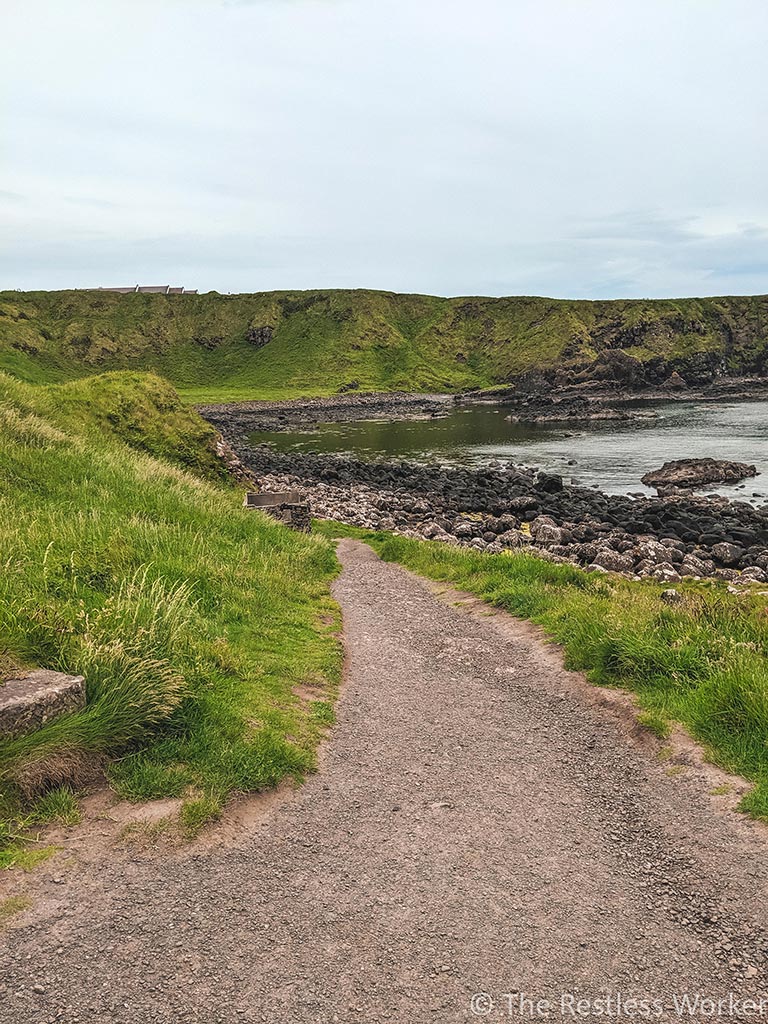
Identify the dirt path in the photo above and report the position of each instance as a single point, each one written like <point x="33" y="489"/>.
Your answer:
<point x="478" y="826"/>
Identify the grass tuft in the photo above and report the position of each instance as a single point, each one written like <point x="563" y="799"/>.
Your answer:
<point x="196" y="813"/>
<point x="11" y="906"/>
<point x="656" y="723"/>
<point x="57" y="805"/>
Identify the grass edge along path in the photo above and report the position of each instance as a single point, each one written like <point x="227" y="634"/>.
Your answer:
<point x="702" y="662"/>
<point x="194" y="621"/>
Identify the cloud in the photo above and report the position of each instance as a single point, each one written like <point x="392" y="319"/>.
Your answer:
<point x="555" y="149"/>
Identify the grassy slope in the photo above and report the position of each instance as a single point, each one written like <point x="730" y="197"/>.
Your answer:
<point x="382" y="340"/>
<point x="141" y="409"/>
<point x="703" y="662"/>
<point x="191" y="618"/>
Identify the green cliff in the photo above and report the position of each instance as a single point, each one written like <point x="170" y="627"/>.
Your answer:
<point x="292" y="343"/>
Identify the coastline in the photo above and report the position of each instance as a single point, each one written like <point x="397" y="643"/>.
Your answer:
<point x="528" y="401"/>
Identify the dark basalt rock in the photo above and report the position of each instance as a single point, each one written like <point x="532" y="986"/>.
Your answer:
<point x="510" y="506"/>
<point x="541" y="409"/>
<point x="209" y="342"/>
<point x="550" y="483"/>
<point x="691" y="473"/>
<point x="259" y="336"/>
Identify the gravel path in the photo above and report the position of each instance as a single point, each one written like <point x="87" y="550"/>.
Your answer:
<point x="478" y="826"/>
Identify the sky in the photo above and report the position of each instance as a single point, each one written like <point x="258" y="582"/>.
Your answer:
<point x="571" y="148"/>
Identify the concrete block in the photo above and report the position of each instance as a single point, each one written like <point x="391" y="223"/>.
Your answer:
<point x="37" y="697"/>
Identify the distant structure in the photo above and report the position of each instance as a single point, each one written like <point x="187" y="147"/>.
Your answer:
<point x="151" y="289"/>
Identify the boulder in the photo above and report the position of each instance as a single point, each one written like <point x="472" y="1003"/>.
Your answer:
<point x="675" y="381"/>
<point x="691" y="473"/>
<point x="550" y="483"/>
<point x="545" y="531"/>
<point x="753" y="574"/>
<point x="727" y="554"/>
<point x="666" y="572"/>
<point x="607" y="558"/>
<point x="511" y="539"/>
<point x="693" y="566"/>
<point x="549" y="536"/>
<point x="463" y="530"/>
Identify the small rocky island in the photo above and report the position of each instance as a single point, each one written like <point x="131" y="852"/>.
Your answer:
<point x="539" y="411"/>
<point x="689" y="474"/>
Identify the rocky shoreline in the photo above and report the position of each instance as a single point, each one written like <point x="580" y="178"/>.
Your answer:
<point x="242" y="418"/>
<point x="547" y="398"/>
<point x="534" y="399"/>
<point x="502" y="507"/>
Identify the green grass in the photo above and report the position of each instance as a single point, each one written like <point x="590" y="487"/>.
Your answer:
<point x="197" y="813"/>
<point x="10" y="907"/>
<point x="140" y="409"/>
<point x="384" y="341"/>
<point x="20" y="825"/>
<point x="656" y="722"/>
<point x="703" y="662"/>
<point x="56" y="806"/>
<point x="191" y="618"/>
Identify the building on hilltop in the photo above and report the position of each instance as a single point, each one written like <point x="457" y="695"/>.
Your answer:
<point x="151" y="289"/>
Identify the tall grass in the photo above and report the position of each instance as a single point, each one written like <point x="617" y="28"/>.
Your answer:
<point x="190" y="618"/>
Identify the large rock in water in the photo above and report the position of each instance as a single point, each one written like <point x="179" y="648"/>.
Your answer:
<point x="690" y="473"/>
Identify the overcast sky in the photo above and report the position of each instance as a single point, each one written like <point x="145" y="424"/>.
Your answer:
<point x="586" y="148"/>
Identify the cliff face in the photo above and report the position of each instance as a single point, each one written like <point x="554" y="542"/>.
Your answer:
<point x="319" y="342"/>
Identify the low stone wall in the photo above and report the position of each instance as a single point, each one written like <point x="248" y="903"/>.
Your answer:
<point x="286" y="507"/>
<point x="35" y="698"/>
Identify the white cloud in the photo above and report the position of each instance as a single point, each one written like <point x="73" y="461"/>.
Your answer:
<point x="554" y="147"/>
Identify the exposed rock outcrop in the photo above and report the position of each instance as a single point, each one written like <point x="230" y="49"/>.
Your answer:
<point x="259" y="336"/>
<point x="691" y="473"/>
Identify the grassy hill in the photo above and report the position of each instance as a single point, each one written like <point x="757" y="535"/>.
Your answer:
<point x="192" y="619"/>
<point x="217" y="347"/>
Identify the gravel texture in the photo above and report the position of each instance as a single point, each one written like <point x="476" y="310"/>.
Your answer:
<point x="478" y="825"/>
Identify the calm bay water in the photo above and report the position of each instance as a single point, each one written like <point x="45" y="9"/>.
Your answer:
<point x="612" y="456"/>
